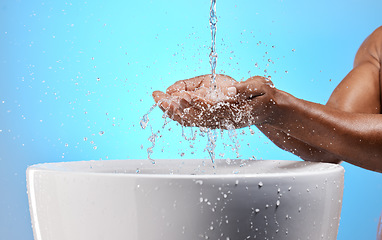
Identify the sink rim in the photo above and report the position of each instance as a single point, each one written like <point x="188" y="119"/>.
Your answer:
<point x="91" y="168"/>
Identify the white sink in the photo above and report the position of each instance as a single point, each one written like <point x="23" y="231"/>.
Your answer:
<point x="185" y="199"/>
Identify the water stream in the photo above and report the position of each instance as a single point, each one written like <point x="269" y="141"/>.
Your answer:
<point x="211" y="134"/>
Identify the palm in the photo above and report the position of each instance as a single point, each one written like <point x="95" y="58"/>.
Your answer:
<point x="192" y="102"/>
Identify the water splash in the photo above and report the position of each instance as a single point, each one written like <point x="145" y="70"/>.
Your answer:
<point x="213" y="54"/>
<point x="212" y="137"/>
<point x="152" y="139"/>
<point x="145" y="119"/>
<point x="215" y="94"/>
<point x="232" y="134"/>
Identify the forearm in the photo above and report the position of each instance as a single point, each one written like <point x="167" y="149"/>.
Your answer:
<point x="297" y="147"/>
<point x="355" y="138"/>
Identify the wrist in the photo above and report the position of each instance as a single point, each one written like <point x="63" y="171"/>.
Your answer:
<point x="281" y="105"/>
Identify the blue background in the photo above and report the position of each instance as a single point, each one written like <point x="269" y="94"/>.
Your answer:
<point x="72" y="70"/>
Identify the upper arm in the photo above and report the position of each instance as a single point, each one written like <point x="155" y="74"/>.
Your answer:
<point x="360" y="90"/>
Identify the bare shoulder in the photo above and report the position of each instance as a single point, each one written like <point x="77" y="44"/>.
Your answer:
<point x="371" y="49"/>
<point x="360" y="91"/>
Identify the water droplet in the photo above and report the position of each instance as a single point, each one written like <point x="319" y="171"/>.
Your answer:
<point x="101" y="133"/>
<point x="200" y="182"/>
<point x="261" y="184"/>
<point x="278" y="203"/>
<point x="144" y="121"/>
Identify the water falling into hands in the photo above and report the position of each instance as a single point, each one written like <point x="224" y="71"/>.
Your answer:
<point x="236" y="104"/>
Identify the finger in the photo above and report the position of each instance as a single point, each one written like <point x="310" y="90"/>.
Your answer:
<point x="200" y="102"/>
<point x="176" y="87"/>
<point x="185" y="100"/>
<point x="250" y="88"/>
<point x="224" y="79"/>
<point x="158" y="95"/>
<point x="193" y="99"/>
<point x="230" y="92"/>
<point x="186" y="85"/>
<point x="182" y="95"/>
<point x="166" y="102"/>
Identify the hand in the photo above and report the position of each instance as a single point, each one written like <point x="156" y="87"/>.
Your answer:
<point x="233" y="105"/>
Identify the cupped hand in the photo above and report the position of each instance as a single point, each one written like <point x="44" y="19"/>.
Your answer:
<point x="234" y="104"/>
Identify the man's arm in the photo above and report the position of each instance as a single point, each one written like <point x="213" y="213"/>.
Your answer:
<point x="348" y="128"/>
<point x="358" y="92"/>
<point x="352" y="137"/>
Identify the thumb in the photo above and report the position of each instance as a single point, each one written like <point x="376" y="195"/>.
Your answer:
<point x="252" y="87"/>
<point x="247" y="89"/>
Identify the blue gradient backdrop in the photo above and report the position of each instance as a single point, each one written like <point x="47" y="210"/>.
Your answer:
<point x="70" y="70"/>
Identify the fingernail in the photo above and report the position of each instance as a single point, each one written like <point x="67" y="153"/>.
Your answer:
<point x="231" y="91"/>
<point x="187" y="98"/>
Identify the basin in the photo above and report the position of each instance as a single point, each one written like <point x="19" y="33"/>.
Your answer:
<point x="185" y="199"/>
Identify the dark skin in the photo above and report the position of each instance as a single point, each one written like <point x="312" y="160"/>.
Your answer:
<point x="348" y="128"/>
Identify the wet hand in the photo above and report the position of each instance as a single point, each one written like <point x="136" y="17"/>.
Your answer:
<point x="233" y="105"/>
